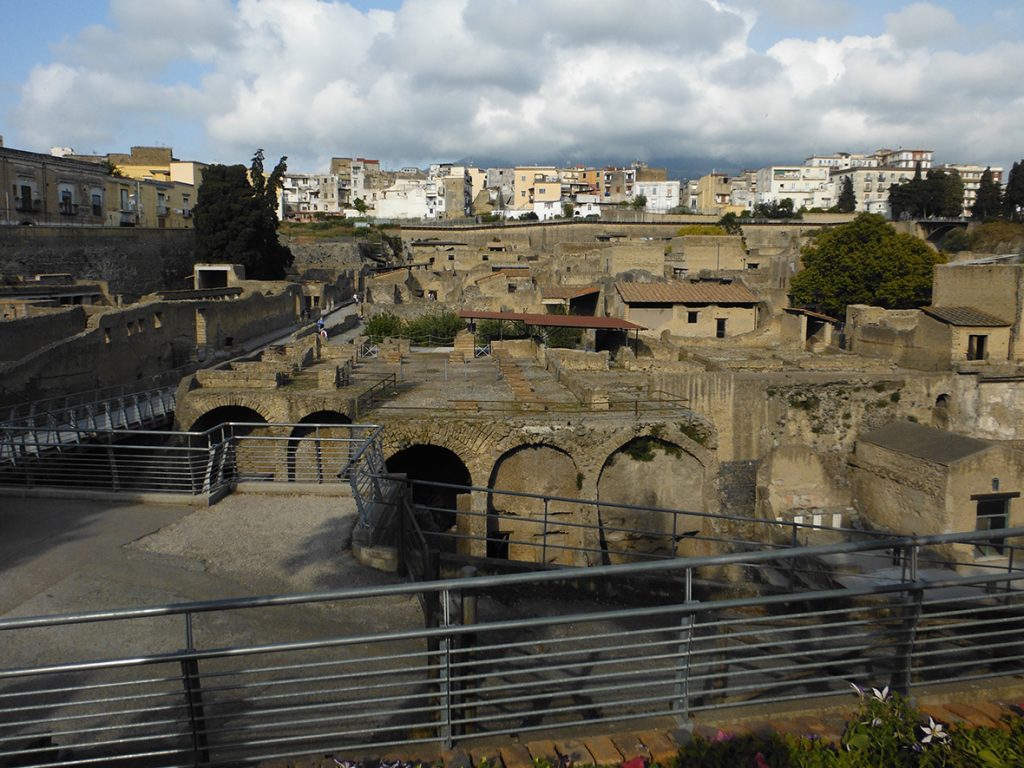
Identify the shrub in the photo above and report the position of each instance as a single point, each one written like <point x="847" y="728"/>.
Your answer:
<point x="384" y="325"/>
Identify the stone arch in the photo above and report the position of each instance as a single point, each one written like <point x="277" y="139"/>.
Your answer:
<point x="322" y="457"/>
<point x="474" y="442"/>
<point x="940" y="412"/>
<point x="650" y="470"/>
<point x="425" y="461"/>
<point x="524" y="528"/>
<point x="228" y="412"/>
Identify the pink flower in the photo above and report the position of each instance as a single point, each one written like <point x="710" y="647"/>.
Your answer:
<point x="636" y="762"/>
<point x="760" y="762"/>
<point x="722" y="736"/>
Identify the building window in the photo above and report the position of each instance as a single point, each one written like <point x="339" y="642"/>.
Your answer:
<point x="691" y="317"/>
<point x="97" y="204"/>
<point x="993" y="514"/>
<point x="753" y="265"/>
<point x="158" y="319"/>
<point x="720" y="328"/>
<point x="976" y="344"/>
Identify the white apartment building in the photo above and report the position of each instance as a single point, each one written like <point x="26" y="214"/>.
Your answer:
<point x="662" y="196"/>
<point x="971" y="177"/>
<point x="807" y="186"/>
<point x="871" y="186"/>
<point x="840" y="161"/>
<point x="304" y="194"/>
<point x="411" y="199"/>
<point x="905" y="158"/>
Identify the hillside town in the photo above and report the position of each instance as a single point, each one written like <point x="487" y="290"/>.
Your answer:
<point x="150" y="187"/>
<point x="513" y="370"/>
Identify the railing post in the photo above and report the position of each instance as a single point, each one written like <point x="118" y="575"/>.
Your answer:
<point x="115" y="482"/>
<point x="194" y="700"/>
<point x="445" y="673"/>
<point x="468" y="601"/>
<point x="903" y="672"/>
<point x="319" y="458"/>
<point x="544" y="541"/>
<point x="681" y="704"/>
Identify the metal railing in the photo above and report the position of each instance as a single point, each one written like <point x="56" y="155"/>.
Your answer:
<point x="193" y="463"/>
<point x="373" y="394"/>
<point x="498" y="655"/>
<point x="26" y="413"/>
<point x="550" y="530"/>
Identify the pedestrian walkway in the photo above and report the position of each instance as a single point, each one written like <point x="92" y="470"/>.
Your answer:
<point x="643" y="746"/>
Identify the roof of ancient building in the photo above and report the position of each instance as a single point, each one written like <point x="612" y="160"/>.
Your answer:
<point x="569" y="291"/>
<point x="935" y="445"/>
<point x="968" y="316"/>
<point x="678" y="292"/>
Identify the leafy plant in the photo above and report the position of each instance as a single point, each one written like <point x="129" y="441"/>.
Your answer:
<point x="384" y="325"/>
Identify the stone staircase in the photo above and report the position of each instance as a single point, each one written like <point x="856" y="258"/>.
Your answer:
<point x="522" y="391"/>
<point x="464" y="348"/>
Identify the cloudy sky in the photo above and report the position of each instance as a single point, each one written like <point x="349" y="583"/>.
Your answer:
<point x="690" y="84"/>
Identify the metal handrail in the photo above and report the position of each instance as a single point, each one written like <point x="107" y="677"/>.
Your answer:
<point x="482" y="674"/>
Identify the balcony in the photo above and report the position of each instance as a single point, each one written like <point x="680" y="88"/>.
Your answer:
<point x="28" y="206"/>
<point x="162" y="210"/>
<point x="68" y="209"/>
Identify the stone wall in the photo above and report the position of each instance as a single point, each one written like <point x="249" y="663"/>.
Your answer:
<point x="133" y="261"/>
<point x="120" y="346"/>
<point x="25" y="335"/>
<point x="907" y="337"/>
<point x="994" y="288"/>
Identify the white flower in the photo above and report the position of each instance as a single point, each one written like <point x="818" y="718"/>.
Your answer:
<point x="881" y="695"/>
<point x="933" y="731"/>
<point x="857" y="689"/>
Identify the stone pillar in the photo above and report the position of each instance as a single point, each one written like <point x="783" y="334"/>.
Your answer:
<point x="471" y="523"/>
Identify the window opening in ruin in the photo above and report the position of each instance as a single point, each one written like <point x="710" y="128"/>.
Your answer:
<point x="691" y="317"/>
<point x="158" y="319"/>
<point x="106" y="335"/>
<point x="976" y="347"/>
<point x="993" y="514"/>
<point x="720" y="328"/>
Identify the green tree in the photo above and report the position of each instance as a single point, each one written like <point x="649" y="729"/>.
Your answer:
<point x="864" y="262"/>
<point x="640" y="202"/>
<point x="776" y="209"/>
<point x="236" y="219"/>
<point x="989" y="201"/>
<point x="568" y="210"/>
<point x="730" y="223"/>
<point x="937" y="194"/>
<point x="1013" y="196"/>
<point x="847" y="201"/>
<point x="945" y="194"/>
<point x="360" y="205"/>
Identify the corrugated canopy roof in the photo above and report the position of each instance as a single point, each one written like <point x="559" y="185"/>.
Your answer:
<point x="935" y="445"/>
<point x="555" y="321"/>
<point x="968" y="316"/>
<point x="677" y="292"/>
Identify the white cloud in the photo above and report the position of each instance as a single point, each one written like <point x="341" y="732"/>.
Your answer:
<point x="921" y="24"/>
<point x="526" y="80"/>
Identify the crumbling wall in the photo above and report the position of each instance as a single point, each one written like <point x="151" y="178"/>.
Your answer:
<point x="25" y="335"/>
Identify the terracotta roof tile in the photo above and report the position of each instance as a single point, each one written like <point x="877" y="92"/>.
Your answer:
<point x="678" y="292"/>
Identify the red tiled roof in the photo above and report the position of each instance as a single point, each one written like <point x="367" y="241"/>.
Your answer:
<point x="559" y="321"/>
<point x="677" y="292"/>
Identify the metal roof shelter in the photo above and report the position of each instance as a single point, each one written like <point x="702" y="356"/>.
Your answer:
<point x="559" y="321"/>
